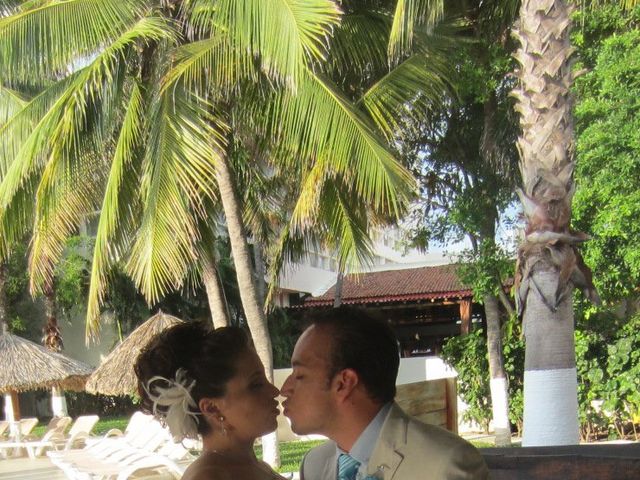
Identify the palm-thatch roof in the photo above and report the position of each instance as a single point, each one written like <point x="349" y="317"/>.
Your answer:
<point x="115" y="375"/>
<point x="29" y="366"/>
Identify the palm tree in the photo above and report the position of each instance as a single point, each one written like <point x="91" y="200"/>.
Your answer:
<point x="549" y="263"/>
<point x="401" y="79"/>
<point x="134" y="109"/>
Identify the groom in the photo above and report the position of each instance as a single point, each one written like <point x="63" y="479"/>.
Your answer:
<point x="342" y="386"/>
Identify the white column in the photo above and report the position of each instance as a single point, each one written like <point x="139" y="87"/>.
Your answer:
<point x="58" y="403"/>
<point x="8" y="415"/>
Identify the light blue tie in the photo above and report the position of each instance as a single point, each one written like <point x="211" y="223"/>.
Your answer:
<point x="347" y="467"/>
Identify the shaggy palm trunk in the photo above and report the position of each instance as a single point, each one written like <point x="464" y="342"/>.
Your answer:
<point x="548" y="266"/>
<point x="11" y="405"/>
<point x="498" y="384"/>
<point x="52" y="340"/>
<point x="261" y="271"/>
<point x="253" y="310"/>
<point x="4" y="322"/>
<point x="215" y="294"/>
<point x="337" y="298"/>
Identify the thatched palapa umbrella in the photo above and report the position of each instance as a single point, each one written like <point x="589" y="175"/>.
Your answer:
<point x="115" y="375"/>
<point x="29" y="366"/>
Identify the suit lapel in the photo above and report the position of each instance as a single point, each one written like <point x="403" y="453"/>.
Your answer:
<point x="388" y="452"/>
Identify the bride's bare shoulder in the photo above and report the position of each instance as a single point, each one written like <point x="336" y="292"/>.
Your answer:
<point x="206" y="468"/>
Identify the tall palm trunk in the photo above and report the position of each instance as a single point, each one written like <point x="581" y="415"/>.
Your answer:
<point x="52" y="337"/>
<point x="52" y="340"/>
<point x="251" y="305"/>
<point x="215" y="294"/>
<point x="4" y="323"/>
<point x="498" y="383"/>
<point x="337" y="298"/>
<point x="261" y="271"/>
<point x="549" y="265"/>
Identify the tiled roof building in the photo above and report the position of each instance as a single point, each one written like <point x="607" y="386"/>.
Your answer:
<point x="425" y="305"/>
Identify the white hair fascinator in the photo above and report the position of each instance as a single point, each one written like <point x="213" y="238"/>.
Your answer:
<point x="176" y="398"/>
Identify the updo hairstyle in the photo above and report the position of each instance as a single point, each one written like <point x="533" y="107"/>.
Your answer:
<point x="208" y="356"/>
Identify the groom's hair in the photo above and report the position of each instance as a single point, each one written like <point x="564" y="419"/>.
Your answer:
<point x="362" y="343"/>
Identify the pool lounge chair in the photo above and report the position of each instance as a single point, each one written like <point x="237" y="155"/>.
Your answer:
<point x="57" y="440"/>
<point x="55" y="428"/>
<point x="148" y="449"/>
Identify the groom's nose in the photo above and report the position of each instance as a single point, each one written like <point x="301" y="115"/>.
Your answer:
<point x="286" y="387"/>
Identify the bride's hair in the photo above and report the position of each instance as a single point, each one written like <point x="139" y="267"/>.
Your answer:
<point x="184" y="364"/>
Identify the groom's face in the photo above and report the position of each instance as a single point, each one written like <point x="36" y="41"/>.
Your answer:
<point x="309" y="402"/>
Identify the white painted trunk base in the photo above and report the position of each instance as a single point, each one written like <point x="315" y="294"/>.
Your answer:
<point x="270" y="452"/>
<point x="58" y="403"/>
<point x="500" y="410"/>
<point x="550" y="408"/>
<point x="8" y="415"/>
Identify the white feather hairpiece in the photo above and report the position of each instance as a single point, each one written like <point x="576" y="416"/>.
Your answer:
<point x="176" y="397"/>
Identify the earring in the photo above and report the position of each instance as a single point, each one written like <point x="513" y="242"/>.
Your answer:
<point x="222" y="428"/>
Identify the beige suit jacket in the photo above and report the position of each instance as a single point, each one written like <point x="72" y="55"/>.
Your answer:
<point x="407" y="449"/>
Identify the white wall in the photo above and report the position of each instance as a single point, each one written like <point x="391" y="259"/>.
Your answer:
<point x="417" y="369"/>
<point x="73" y="336"/>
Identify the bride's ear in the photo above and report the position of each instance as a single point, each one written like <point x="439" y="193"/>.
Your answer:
<point x="209" y="407"/>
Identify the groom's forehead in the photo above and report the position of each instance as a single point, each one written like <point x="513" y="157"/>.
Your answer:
<point x="313" y="347"/>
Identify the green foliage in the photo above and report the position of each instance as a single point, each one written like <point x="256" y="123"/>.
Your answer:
<point x="284" y="332"/>
<point x="72" y="276"/>
<point x="607" y="201"/>
<point x="485" y="269"/>
<point x="291" y="453"/>
<point x="608" y="363"/>
<point x="468" y="355"/>
<point x="607" y="206"/>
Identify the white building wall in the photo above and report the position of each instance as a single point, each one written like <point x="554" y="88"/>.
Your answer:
<point x="415" y="369"/>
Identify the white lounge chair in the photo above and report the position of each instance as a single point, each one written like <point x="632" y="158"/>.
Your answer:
<point x="4" y="429"/>
<point x="57" y="440"/>
<point x="55" y="428"/>
<point x="147" y="449"/>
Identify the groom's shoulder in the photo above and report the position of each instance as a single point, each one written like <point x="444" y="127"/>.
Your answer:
<point x="314" y="463"/>
<point x="321" y="452"/>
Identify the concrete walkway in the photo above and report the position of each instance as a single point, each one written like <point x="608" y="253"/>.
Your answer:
<point x="41" y="468"/>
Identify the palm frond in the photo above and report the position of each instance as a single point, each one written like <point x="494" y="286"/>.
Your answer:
<point x="11" y="102"/>
<point x="210" y="66"/>
<point x="408" y="15"/>
<point x="45" y="40"/>
<point x="407" y="91"/>
<point x="359" y="44"/>
<point x="321" y="123"/>
<point x="178" y="170"/>
<point x="119" y="206"/>
<point x="65" y="197"/>
<point x="283" y="34"/>
<point x="60" y="134"/>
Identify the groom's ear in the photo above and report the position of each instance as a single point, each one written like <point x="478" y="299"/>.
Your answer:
<point x="345" y="382"/>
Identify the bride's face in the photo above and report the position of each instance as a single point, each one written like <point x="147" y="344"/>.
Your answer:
<point x="249" y="406"/>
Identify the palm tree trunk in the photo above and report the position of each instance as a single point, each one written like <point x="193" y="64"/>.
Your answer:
<point x="52" y="340"/>
<point x="261" y="271"/>
<point x="547" y="256"/>
<point x="253" y="310"/>
<point x="337" y="298"/>
<point x="215" y="294"/>
<point x="11" y="403"/>
<point x="4" y="321"/>
<point x="52" y="337"/>
<point x="499" y="384"/>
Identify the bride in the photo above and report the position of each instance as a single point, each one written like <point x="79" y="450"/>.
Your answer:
<point x="210" y="383"/>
